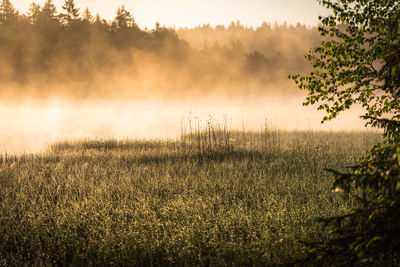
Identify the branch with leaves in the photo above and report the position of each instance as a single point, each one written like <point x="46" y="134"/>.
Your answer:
<point x="358" y="62"/>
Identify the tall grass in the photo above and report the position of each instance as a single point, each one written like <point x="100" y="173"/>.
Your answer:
<point x="208" y="136"/>
<point x="214" y="197"/>
<point x="213" y="135"/>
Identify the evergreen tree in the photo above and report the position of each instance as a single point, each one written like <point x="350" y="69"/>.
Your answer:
<point x="87" y="15"/>
<point x="123" y="19"/>
<point x="8" y="14"/>
<point x="97" y="19"/>
<point x="34" y="13"/>
<point x="48" y="12"/>
<point x="72" y="13"/>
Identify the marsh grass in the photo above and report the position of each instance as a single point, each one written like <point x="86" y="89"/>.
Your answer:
<point x="214" y="135"/>
<point x="214" y="197"/>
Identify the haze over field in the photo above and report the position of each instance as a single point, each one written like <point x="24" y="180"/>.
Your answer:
<point x="174" y="133"/>
<point x="75" y="75"/>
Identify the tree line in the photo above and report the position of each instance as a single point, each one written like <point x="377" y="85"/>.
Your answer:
<point x="45" y="47"/>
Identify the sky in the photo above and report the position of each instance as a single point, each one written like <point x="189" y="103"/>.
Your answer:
<point x="191" y="13"/>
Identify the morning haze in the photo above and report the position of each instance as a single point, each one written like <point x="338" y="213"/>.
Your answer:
<point x="176" y="145"/>
<point x="60" y="57"/>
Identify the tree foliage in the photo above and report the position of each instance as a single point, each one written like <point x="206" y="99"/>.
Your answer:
<point x="368" y="234"/>
<point x="124" y="19"/>
<point x="49" y="12"/>
<point x="47" y="48"/>
<point x="87" y="15"/>
<point x="358" y="62"/>
<point x="71" y="12"/>
<point x="8" y="14"/>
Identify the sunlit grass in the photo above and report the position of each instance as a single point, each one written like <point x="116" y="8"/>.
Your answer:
<point x="237" y="198"/>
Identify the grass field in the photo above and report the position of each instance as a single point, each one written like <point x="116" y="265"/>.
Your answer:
<point x="211" y="198"/>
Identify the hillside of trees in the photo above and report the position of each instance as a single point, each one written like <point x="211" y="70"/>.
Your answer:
<point x="75" y="53"/>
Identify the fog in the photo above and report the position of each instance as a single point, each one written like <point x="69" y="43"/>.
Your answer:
<point x="30" y="126"/>
<point x="69" y="76"/>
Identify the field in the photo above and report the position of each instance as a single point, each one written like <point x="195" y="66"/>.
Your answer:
<point x="214" y="197"/>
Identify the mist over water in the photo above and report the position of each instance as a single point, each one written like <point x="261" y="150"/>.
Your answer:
<point x="31" y="125"/>
<point x="64" y="79"/>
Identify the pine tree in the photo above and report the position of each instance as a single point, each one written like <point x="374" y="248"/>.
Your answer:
<point x="8" y="14"/>
<point x="123" y="19"/>
<point x="87" y="15"/>
<point x="34" y="13"/>
<point x="72" y="13"/>
<point x="49" y="11"/>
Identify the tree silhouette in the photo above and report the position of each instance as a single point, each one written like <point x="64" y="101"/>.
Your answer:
<point x="123" y="19"/>
<point x="87" y="15"/>
<point x="34" y="13"/>
<point x="49" y="12"/>
<point x="72" y="13"/>
<point x="44" y="45"/>
<point x="8" y="14"/>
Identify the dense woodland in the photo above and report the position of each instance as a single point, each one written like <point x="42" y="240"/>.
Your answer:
<point x="72" y="51"/>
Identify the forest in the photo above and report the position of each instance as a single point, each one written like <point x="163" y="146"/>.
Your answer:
<point x="75" y="53"/>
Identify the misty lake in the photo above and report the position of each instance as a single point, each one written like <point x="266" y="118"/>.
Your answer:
<point x="29" y="126"/>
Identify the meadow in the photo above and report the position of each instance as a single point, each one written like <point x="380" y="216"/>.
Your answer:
<point x="213" y="197"/>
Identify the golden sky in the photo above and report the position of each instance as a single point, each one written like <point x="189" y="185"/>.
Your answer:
<point x="190" y="13"/>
